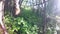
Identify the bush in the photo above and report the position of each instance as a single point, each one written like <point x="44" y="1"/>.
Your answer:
<point x="23" y="24"/>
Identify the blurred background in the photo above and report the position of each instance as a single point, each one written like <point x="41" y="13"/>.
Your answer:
<point x="32" y="16"/>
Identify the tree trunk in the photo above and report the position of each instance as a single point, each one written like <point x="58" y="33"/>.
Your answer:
<point x="16" y="7"/>
<point x="2" y="15"/>
<point x="44" y="17"/>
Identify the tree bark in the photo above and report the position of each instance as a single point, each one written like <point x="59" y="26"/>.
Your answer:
<point x="2" y="15"/>
<point x="44" y="18"/>
<point x="16" y="7"/>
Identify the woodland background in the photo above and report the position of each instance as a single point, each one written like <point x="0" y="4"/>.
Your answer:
<point x="28" y="16"/>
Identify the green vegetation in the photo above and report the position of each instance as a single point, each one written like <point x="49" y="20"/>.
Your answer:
<point x="23" y="24"/>
<point x="28" y="21"/>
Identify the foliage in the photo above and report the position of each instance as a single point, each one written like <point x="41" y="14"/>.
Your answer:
<point x="23" y="24"/>
<point x="27" y="22"/>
